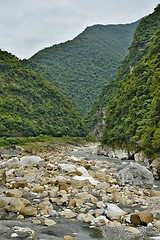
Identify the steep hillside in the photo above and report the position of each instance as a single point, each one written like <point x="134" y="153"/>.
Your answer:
<point x="82" y="66"/>
<point x="143" y="38"/>
<point x="29" y="105"/>
<point x="133" y="116"/>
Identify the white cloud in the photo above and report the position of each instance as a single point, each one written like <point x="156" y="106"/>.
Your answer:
<point x="28" y="26"/>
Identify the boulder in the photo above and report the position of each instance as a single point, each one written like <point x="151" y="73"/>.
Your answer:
<point x="156" y="168"/>
<point x="14" y="193"/>
<point x="28" y="211"/>
<point x="114" y="212"/>
<point x="141" y="218"/>
<point x="99" y="220"/>
<point x="19" y="184"/>
<point x="11" y="163"/>
<point x="15" y="205"/>
<point x="67" y="167"/>
<point x="31" y="161"/>
<point x="136" y="175"/>
<point x="2" y="177"/>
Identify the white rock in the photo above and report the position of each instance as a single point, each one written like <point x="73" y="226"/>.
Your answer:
<point x="67" y="167"/>
<point x="14" y="235"/>
<point x="99" y="220"/>
<point x="113" y="211"/>
<point x="30" y="161"/>
<point x="11" y="163"/>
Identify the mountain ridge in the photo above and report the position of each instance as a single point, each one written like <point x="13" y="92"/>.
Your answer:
<point x="80" y="67"/>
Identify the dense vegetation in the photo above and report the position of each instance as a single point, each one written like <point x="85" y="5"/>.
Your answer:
<point x="133" y="115"/>
<point x="30" y="105"/>
<point x="82" y="66"/>
<point x="143" y="38"/>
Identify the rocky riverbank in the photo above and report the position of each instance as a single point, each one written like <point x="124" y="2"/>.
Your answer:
<point x="50" y="195"/>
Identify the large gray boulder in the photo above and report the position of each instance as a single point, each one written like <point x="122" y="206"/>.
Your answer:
<point x="136" y="175"/>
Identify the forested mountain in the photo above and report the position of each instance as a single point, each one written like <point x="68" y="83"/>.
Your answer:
<point x="143" y="39"/>
<point x="30" y="105"/>
<point x="81" y="67"/>
<point x="133" y="115"/>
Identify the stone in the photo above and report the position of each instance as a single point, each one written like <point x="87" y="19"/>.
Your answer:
<point x="157" y="224"/>
<point x="36" y="221"/>
<point x="2" y="177"/>
<point x="19" y="184"/>
<point x="14" y="235"/>
<point x="14" y="193"/>
<point x="2" y="203"/>
<point x="46" y="205"/>
<point x="49" y="222"/>
<point x="81" y="217"/>
<point x="136" y="175"/>
<point x="141" y="218"/>
<point x="85" y="176"/>
<point x="156" y="167"/>
<point x="38" y="189"/>
<point x="15" y="205"/>
<point x="67" y="237"/>
<point x="11" y="163"/>
<point x="102" y="185"/>
<point x="28" y="211"/>
<point x="67" y="213"/>
<point x="132" y="230"/>
<point x="114" y="212"/>
<point x="24" y="232"/>
<point x="99" y="220"/>
<point x="155" y="193"/>
<point x="67" y="167"/>
<point x="31" y="161"/>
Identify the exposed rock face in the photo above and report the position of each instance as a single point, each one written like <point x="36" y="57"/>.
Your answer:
<point x="117" y="153"/>
<point x="156" y="168"/>
<point x="136" y="175"/>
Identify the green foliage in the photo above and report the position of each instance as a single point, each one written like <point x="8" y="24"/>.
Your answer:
<point x="82" y="66"/>
<point x="143" y="38"/>
<point x="133" y="115"/>
<point x="30" y="105"/>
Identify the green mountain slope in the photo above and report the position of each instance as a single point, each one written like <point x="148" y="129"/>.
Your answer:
<point x="82" y="66"/>
<point x="29" y="105"/>
<point x="133" y="116"/>
<point x="143" y="38"/>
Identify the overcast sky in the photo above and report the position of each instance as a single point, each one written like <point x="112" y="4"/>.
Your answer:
<point x="27" y="26"/>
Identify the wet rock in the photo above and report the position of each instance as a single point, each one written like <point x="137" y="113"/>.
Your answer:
<point x="136" y="175"/>
<point x="141" y="218"/>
